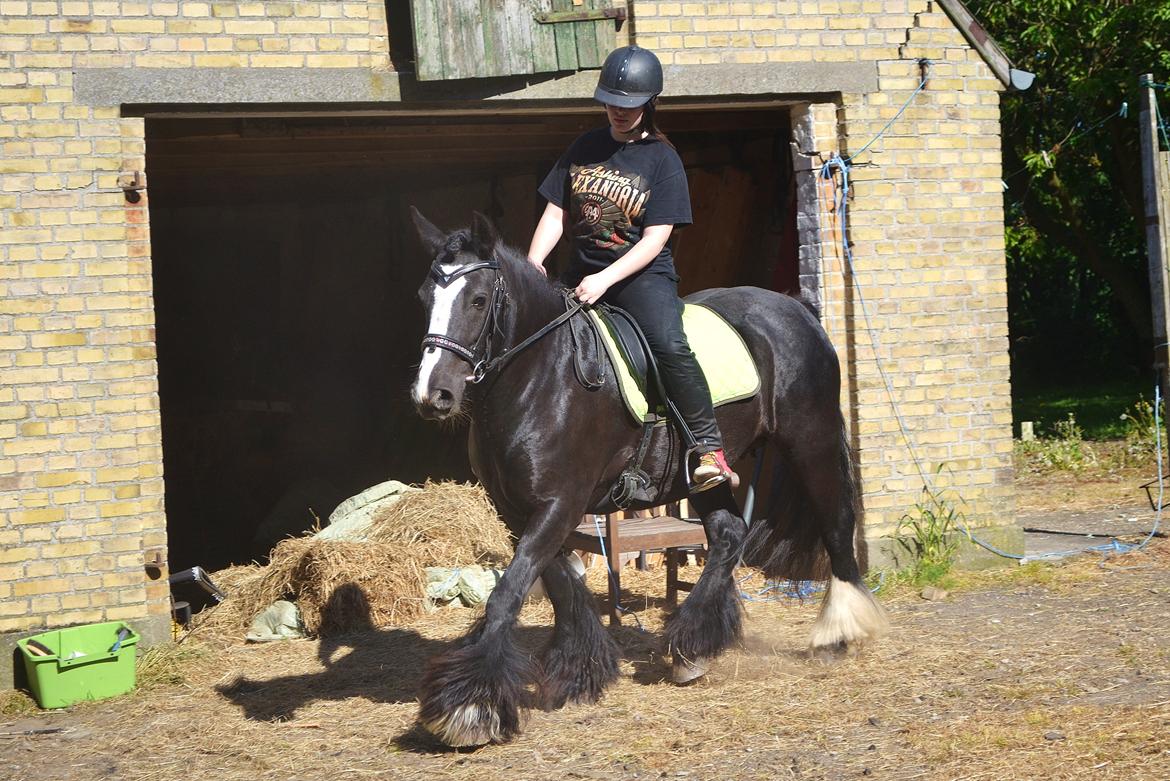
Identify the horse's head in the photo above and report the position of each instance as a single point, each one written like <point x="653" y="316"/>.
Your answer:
<point x="461" y="292"/>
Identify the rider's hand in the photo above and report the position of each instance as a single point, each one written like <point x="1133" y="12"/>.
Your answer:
<point x="539" y="267"/>
<point x="591" y="289"/>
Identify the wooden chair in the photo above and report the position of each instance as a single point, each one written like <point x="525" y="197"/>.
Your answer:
<point x="663" y="529"/>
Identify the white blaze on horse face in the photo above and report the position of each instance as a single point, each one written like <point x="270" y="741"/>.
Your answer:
<point x="442" y="305"/>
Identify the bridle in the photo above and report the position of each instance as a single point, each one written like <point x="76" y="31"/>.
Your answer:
<point x="480" y="354"/>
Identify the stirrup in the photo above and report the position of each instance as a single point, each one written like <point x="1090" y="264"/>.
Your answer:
<point x="728" y="475"/>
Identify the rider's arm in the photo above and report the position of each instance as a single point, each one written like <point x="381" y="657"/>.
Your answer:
<point x="547" y="234"/>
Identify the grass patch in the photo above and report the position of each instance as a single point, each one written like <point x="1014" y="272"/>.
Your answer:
<point x="927" y="533"/>
<point x="1097" y="408"/>
<point x="167" y="664"/>
<point x="17" y="703"/>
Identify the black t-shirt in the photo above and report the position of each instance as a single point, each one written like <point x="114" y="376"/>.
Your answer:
<point x="611" y="190"/>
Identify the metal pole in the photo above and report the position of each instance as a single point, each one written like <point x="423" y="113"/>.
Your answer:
<point x="1155" y="246"/>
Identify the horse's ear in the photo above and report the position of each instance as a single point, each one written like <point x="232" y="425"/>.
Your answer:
<point x="432" y="238"/>
<point x="483" y="235"/>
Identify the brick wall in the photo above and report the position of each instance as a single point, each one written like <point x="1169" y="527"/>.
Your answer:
<point x="80" y="458"/>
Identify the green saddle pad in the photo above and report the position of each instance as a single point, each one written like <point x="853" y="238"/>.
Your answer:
<point x="728" y="366"/>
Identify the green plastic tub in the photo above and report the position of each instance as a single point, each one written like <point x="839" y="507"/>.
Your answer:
<point x="84" y="664"/>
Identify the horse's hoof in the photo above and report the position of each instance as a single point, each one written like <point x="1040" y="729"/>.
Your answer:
<point x="687" y="670"/>
<point x="467" y="726"/>
<point x="830" y="654"/>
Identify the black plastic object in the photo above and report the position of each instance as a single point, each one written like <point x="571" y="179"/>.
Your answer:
<point x="630" y="77"/>
<point x="39" y="649"/>
<point x="199" y="576"/>
<point x="181" y="612"/>
<point x="123" y="633"/>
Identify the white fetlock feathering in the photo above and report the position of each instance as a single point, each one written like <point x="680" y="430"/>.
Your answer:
<point x="849" y="615"/>
<point x="467" y="725"/>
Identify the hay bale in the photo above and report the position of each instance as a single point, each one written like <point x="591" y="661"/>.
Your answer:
<point x="343" y="586"/>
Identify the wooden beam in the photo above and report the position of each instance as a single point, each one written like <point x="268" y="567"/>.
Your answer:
<point x="1153" y="192"/>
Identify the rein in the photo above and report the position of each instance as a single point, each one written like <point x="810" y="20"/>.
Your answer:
<point x="484" y="364"/>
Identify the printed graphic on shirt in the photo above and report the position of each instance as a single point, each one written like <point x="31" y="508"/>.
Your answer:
<point x="605" y="205"/>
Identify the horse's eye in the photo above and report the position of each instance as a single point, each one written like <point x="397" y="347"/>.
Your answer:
<point x="479" y="302"/>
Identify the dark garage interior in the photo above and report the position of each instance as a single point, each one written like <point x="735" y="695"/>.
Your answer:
<point x="285" y="269"/>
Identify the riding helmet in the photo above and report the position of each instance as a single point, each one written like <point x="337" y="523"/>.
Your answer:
<point x="630" y="77"/>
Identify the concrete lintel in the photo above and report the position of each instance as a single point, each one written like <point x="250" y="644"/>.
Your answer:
<point x="116" y="86"/>
<point x="217" y="86"/>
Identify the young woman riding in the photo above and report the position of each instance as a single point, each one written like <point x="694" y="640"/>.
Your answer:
<point x="624" y="190"/>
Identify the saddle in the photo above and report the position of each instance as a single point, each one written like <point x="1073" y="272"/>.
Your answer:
<point x="720" y="350"/>
<point x="722" y="354"/>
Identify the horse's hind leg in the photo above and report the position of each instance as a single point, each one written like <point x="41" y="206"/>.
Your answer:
<point x="849" y="614"/>
<point x="581" y="660"/>
<point x="711" y="617"/>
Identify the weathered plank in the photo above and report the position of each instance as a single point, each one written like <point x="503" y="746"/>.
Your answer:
<point x="566" y="39"/>
<point x="451" y="35"/>
<point x="494" y="33"/>
<point x="471" y="57"/>
<point x="606" y="31"/>
<point x="516" y="20"/>
<point x="544" y="37"/>
<point x="428" y="43"/>
<point x="586" y="33"/>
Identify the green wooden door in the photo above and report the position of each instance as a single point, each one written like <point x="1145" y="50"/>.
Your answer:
<point x="465" y="39"/>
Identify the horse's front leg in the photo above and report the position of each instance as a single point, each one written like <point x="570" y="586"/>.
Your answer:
<point x="582" y="659"/>
<point x="477" y="692"/>
<point x="711" y="617"/>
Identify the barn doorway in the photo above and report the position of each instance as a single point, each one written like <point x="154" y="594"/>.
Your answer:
<point x="285" y="269"/>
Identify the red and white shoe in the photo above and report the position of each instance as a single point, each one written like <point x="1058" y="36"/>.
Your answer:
<point x="711" y="471"/>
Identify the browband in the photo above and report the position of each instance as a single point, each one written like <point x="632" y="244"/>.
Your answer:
<point x="443" y="279"/>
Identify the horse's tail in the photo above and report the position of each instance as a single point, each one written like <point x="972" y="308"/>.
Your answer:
<point x="807" y="303"/>
<point x="788" y="543"/>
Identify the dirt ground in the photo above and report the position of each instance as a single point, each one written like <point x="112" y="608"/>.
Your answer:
<point x="1035" y="672"/>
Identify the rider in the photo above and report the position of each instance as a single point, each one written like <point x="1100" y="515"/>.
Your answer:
<point x="625" y="189"/>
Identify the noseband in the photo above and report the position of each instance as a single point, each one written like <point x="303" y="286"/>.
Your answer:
<point x="482" y="361"/>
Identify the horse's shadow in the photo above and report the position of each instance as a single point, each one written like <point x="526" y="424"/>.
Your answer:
<point x="379" y="665"/>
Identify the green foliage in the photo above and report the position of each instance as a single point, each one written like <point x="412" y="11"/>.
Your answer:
<point x="1140" y="443"/>
<point x="1075" y="237"/>
<point x="928" y="532"/>
<point x="1062" y="450"/>
<point x="1096" y="405"/>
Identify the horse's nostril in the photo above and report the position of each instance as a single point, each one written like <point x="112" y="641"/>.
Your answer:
<point x="442" y="399"/>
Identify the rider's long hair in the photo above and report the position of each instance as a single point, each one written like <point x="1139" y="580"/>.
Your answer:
<point x="648" y="123"/>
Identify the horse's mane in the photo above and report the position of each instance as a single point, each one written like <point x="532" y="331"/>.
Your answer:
<point x="524" y="280"/>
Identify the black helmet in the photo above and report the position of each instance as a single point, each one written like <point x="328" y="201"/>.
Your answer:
<point x="630" y="77"/>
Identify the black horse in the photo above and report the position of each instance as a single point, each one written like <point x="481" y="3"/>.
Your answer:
<point x="548" y="446"/>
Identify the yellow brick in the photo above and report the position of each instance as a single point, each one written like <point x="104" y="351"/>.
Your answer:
<point x="47" y="604"/>
<point x="10" y="555"/>
<point x="333" y="61"/>
<point x="71" y="496"/>
<point x="16" y="412"/>
<point x="115" y="509"/>
<point x="80" y="548"/>
<point x="127" y="492"/>
<point x="41" y="515"/>
<point x="44" y="586"/>
<point x="58" y="339"/>
<point x="34" y="429"/>
<point x="40" y="569"/>
<point x="73" y="601"/>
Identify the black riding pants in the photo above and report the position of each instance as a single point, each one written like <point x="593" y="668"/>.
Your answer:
<point x="652" y="299"/>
